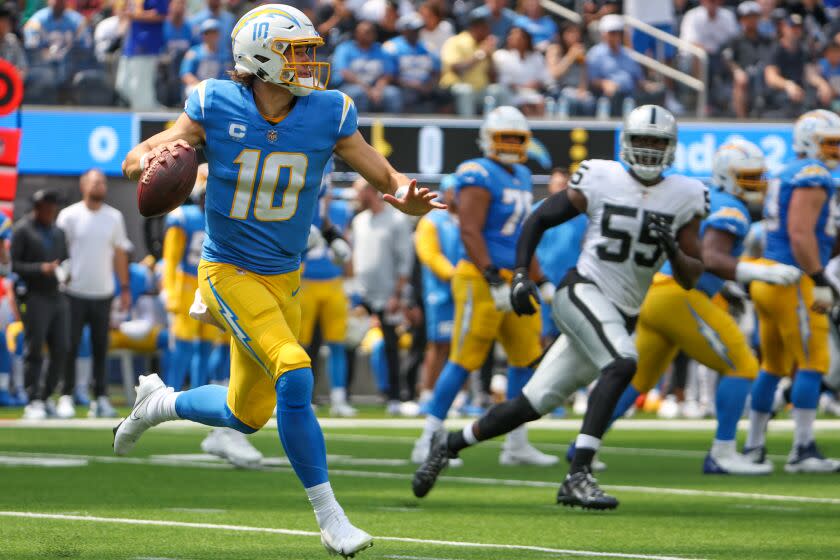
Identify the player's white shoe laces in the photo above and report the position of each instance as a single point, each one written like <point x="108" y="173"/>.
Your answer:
<point x="340" y="537"/>
<point x="145" y="413"/>
<point x="232" y="446"/>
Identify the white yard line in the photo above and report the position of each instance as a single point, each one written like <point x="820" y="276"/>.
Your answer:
<point x="784" y="425"/>
<point x="163" y="461"/>
<point x="296" y="533"/>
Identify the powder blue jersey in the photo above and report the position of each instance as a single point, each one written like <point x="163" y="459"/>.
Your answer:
<point x="264" y="178"/>
<point x="728" y="214"/>
<point x="510" y="203"/>
<point x="803" y="173"/>
<point x="560" y="246"/>
<point x="319" y="265"/>
<point x="435" y="290"/>
<point x="190" y="219"/>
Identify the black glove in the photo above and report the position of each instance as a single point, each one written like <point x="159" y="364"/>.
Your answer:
<point x="660" y="229"/>
<point x="522" y="289"/>
<point x="491" y="274"/>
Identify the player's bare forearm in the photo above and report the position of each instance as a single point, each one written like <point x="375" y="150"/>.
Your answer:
<point x="717" y="253"/>
<point x="370" y="164"/>
<point x="686" y="262"/>
<point x="184" y="130"/>
<point x="805" y="249"/>
<point x="804" y="211"/>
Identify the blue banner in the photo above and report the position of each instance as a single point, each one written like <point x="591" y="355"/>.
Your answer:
<point x="697" y="143"/>
<point x="70" y="142"/>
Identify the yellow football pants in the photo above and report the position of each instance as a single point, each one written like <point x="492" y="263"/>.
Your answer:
<point x="477" y="324"/>
<point x="262" y="314"/>
<point x="183" y="326"/>
<point x="790" y="334"/>
<point x="673" y="319"/>
<point x="324" y="302"/>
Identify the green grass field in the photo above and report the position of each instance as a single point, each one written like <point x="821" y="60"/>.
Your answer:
<point x="163" y="504"/>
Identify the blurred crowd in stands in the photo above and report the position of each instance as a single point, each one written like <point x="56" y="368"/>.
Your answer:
<point x="765" y="58"/>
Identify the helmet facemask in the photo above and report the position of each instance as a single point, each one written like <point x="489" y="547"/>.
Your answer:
<point x="648" y="155"/>
<point x="750" y="181"/>
<point x="504" y="150"/>
<point x="303" y="76"/>
<point x="828" y="146"/>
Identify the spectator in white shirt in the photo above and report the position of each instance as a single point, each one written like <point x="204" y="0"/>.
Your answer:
<point x="98" y="247"/>
<point x="436" y="30"/>
<point x="523" y="70"/>
<point x="709" y="26"/>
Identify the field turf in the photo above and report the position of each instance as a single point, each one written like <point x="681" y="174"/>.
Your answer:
<point x="167" y="502"/>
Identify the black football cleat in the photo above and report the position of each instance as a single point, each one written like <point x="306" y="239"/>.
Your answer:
<point x="581" y="489"/>
<point x="438" y="459"/>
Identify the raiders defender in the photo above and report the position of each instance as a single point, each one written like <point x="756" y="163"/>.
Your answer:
<point x="637" y="220"/>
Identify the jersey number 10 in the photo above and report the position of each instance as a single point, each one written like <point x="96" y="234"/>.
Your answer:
<point x="264" y="208"/>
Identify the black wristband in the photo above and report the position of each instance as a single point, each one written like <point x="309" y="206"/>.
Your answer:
<point x="331" y="233"/>
<point x="819" y="278"/>
<point x="491" y="274"/>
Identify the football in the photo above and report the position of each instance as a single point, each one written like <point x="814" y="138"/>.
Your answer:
<point x="166" y="182"/>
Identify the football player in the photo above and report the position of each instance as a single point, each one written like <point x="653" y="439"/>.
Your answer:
<point x="672" y="319"/>
<point x="268" y="134"/>
<point x="638" y="218"/>
<point x="323" y="301"/>
<point x="793" y="325"/>
<point x="438" y="245"/>
<point x="182" y="242"/>
<point x="494" y="197"/>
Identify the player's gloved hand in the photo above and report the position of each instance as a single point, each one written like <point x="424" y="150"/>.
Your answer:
<point x="779" y="274"/>
<point x="315" y="240"/>
<point x="547" y="290"/>
<point x="341" y="252"/>
<point x="524" y="293"/>
<point x="824" y="294"/>
<point x="499" y="290"/>
<point x="660" y="229"/>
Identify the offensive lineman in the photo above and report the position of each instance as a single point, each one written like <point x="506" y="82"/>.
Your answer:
<point x="268" y="134"/>
<point x="637" y="219"/>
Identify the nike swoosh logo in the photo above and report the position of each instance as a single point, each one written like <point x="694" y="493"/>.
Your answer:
<point x="133" y="416"/>
<point x="296" y="291"/>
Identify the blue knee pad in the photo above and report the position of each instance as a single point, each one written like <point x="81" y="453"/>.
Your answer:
<point x="805" y="392"/>
<point x="763" y="391"/>
<point x="294" y="389"/>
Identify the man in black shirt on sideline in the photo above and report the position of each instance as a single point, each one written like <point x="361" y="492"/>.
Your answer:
<point x="38" y="248"/>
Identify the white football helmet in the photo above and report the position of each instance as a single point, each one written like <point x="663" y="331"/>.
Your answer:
<point x="738" y="168"/>
<point x="816" y="134"/>
<point x="267" y="42"/>
<point x="500" y="124"/>
<point x="643" y="129"/>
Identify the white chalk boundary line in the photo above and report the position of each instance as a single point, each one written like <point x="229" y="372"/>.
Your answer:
<point x="297" y="533"/>
<point x="782" y="425"/>
<point x="180" y="462"/>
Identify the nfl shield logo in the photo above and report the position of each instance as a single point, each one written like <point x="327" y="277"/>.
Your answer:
<point x="271" y="135"/>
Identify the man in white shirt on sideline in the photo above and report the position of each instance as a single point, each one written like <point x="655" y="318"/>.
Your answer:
<point x="98" y="246"/>
<point x="709" y="26"/>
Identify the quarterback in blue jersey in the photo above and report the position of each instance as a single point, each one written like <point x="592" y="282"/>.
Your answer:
<point x="494" y="198"/>
<point x="438" y="245"/>
<point x="673" y="319"/>
<point x="267" y="135"/>
<point x="793" y="325"/>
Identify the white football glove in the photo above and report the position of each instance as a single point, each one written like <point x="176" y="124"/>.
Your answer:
<point x="341" y="252"/>
<point x="315" y="239"/>
<point x="779" y="274"/>
<point x="823" y="296"/>
<point x="199" y="312"/>
<point x="547" y="290"/>
<point x="501" y="297"/>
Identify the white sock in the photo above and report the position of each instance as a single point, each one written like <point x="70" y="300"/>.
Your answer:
<point x="338" y="395"/>
<point x="469" y="435"/>
<point x="433" y="424"/>
<point x="721" y="448"/>
<point x="517" y="438"/>
<point x="323" y="501"/>
<point x="83" y="374"/>
<point x="758" y="428"/>
<point x="425" y="396"/>
<point x="803" y="425"/>
<point x="584" y="441"/>
<point x="164" y="408"/>
<point x="4" y="381"/>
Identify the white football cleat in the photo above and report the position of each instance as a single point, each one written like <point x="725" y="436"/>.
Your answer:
<point x="341" y="538"/>
<point x="101" y="408"/>
<point x="35" y="410"/>
<point x="233" y="447"/>
<point x="669" y="408"/>
<point x="808" y="459"/>
<point x="144" y="414"/>
<point x="732" y="462"/>
<point x="526" y="455"/>
<point x="343" y="410"/>
<point x="65" y="408"/>
<point x="829" y="405"/>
